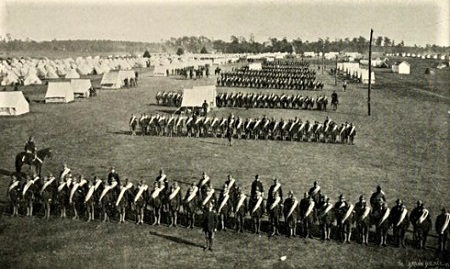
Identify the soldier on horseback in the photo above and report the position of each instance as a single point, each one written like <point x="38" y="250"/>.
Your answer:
<point x="30" y="151"/>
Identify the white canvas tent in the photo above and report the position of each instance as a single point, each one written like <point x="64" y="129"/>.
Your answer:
<point x="72" y="73"/>
<point x="59" y="92"/>
<point x="32" y="79"/>
<point x="127" y="74"/>
<point x="196" y="96"/>
<point x="81" y="87"/>
<point x="13" y="104"/>
<point x="111" y="80"/>
<point x="255" y="66"/>
<point x="160" y="71"/>
<point x="364" y="76"/>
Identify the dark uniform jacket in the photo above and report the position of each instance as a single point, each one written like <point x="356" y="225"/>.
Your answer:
<point x="210" y="221"/>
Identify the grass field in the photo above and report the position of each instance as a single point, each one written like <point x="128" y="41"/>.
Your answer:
<point x="403" y="146"/>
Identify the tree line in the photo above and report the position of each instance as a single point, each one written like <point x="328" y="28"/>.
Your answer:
<point x="236" y="44"/>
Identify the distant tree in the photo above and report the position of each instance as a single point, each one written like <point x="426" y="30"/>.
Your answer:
<point x="147" y="54"/>
<point x="379" y="41"/>
<point x="180" y="51"/>
<point x="203" y="50"/>
<point x="387" y="41"/>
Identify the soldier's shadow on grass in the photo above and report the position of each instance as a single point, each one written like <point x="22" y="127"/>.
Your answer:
<point x="177" y="239"/>
<point x="5" y="172"/>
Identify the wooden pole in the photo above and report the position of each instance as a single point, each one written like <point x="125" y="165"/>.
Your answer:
<point x="335" y="71"/>
<point x="370" y="71"/>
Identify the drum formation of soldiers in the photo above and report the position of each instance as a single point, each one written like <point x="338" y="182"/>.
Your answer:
<point x="252" y="100"/>
<point x="273" y="75"/>
<point x="289" y="215"/>
<point x="237" y="127"/>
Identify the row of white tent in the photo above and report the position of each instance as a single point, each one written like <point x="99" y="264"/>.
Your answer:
<point x="33" y="70"/>
<point x="353" y="70"/>
<point x="419" y="55"/>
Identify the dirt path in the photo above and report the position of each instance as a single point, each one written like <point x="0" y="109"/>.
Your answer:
<point x="431" y="93"/>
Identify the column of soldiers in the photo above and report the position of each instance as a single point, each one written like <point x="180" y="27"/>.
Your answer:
<point x="237" y="127"/>
<point x="272" y="77"/>
<point x="252" y="100"/>
<point x="190" y="72"/>
<point x="292" y="216"/>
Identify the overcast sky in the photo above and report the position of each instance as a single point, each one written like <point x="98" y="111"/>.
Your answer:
<point x="414" y="21"/>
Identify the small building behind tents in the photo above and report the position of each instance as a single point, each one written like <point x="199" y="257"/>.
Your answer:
<point x="111" y="80"/>
<point x="13" y="104"/>
<point x="196" y="96"/>
<point x="59" y="92"/>
<point x="402" y="68"/>
<point x="81" y="87"/>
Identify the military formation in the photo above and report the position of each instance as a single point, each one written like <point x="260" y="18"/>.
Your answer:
<point x="236" y="127"/>
<point x="227" y="208"/>
<point x="190" y="72"/>
<point x="273" y="75"/>
<point x="252" y="100"/>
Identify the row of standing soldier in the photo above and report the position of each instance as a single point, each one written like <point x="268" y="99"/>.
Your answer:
<point x="84" y="195"/>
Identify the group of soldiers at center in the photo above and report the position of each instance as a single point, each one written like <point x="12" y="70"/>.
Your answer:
<point x="230" y="206"/>
<point x="280" y="76"/>
<point x="252" y="100"/>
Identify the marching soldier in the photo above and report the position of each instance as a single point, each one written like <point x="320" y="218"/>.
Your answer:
<point x="442" y="229"/>
<point x="223" y="206"/>
<point x="133" y="123"/>
<point x="307" y="213"/>
<point x="256" y="208"/>
<point x="174" y="203"/>
<point x="344" y="217"/>
<point x="291" y="210"/>
<point x="325" y="216"/>
<point x="383" y="224"/>
<point x="421" y="221"/>
<point x="400" y="222"/>
<point x="274" y="205"/>
<point x="241" y="209"/>
<point x="362" y="216"/>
